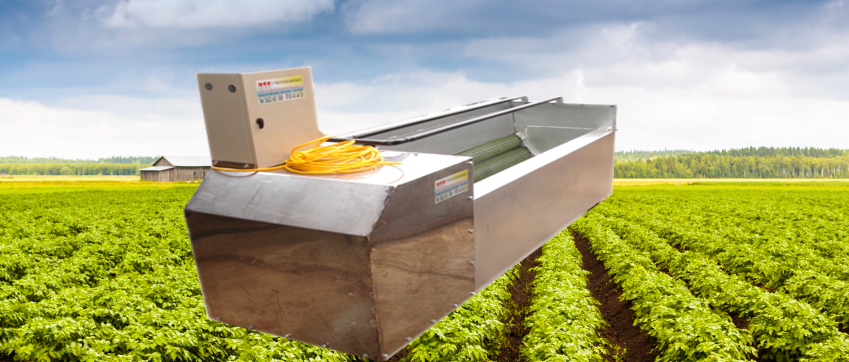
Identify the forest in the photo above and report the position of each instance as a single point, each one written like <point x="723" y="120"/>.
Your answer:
<point x="762" y="162"/>
<point x="17" y="165"/>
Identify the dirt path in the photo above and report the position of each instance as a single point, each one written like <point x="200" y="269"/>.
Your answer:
<point x="622" y="332"/>
<point x="521" y="293"/>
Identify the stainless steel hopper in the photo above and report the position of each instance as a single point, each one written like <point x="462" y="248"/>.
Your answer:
<point x="364" y="263"/>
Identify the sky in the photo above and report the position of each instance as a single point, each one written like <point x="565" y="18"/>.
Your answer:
<point x="101" y="78"/>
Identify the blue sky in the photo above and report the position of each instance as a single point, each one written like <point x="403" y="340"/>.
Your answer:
<point x="97" y="78"/>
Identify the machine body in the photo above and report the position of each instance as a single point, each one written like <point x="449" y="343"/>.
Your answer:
<point x="363" y="263"/>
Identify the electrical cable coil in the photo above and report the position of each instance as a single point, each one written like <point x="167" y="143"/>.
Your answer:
<point x="342" y="157"/>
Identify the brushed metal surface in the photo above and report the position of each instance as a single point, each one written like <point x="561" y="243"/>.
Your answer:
<point x="441" y="121"/>
<point x="343" y="203"/>
<point x="460" y="139"/>
<point x="307" y="285"/>
<point x="410" y="122"/>
<point x="227" y="129"/>
<point x="540" y="139"/>
<point x="352" y="263"/>
<point x="518" y="210"/>
<point x="294" y="200"/>
<point x="422" y="254"/>
<point x="593" y="116"/>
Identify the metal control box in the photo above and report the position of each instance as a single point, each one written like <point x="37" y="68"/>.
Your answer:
<point x="253" y="120"/>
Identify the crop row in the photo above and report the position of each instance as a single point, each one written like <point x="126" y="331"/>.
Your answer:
<point x="564" y="320"/>
<point x="684" y="326"/>
<point x="788" y="228"/>
<point x="759" y="264"/>
<point x="784" y="329"/>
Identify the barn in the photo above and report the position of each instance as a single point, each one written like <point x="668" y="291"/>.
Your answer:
<point x="177" y="168"/>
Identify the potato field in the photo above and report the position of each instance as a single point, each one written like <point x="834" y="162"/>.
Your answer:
<point x="703" y="272"/>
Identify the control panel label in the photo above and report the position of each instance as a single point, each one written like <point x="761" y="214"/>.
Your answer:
<point x="280" y="89"/>
<point x="453" y="185"/>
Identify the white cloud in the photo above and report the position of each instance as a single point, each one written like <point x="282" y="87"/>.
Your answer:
<point x="702" y="116"/>
<point x="699" y="96"/>
<point x="390" y="16"/>
<point x="189" y="14"/>
<point x="114" y="126"/>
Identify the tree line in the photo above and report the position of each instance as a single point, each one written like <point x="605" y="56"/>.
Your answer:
<point x="761" y="162"/>
<point x="88" y="168"/>
<point x="647" y="155"/>
<point x="751" y="162"/>
<point x="142" y="160"/>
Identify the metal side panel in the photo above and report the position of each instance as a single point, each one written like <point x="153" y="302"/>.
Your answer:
<point x="230" y="140"/>
<point x="518" y="210"/>
<point x="305" y="285"/>
<point x="590" y="116"/>
<point x="461" y="139"/>
<point x="442" y="121"/>
<point x="422" y="254"/>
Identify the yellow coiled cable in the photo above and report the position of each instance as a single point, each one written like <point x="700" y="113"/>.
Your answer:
<point x="342" y="157"/>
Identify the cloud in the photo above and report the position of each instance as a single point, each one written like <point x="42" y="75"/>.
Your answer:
<point x="461" y="19"/>
<point x="387" y="16"/>
<point x="191" y="14"/>
<point x="731" y="107"/>
<point x="623" y="55"/>
<point x="114" y="125"/>
<point x="677" y="85"/>
<point x="688" y="95"/>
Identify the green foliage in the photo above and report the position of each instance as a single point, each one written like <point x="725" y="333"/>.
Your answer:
<point x="109" y="276"/>
<point x="647" y="155"/>
<point x="763" y="162"/>
<point x="684" y="326"/>
<point x="722" y="269"/>
<point x="791" y="242"/>
<point x="70" y="168"/>
<point x="564" y="321"/>
<point x="117" y="165"/>
<point x="115" y="159"/>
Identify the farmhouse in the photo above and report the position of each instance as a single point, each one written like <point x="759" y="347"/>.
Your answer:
<point x="177" y="168"/>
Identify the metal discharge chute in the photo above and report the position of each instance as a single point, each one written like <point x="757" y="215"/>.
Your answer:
<point x="365" y="262"/>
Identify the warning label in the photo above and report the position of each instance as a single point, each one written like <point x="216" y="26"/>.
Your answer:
<point x="280" y="89"/>
<point x="453" y="185"/>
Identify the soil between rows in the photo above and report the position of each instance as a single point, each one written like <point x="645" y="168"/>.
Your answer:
<point x="521" y="295"/>
<point x="622" y="332"/>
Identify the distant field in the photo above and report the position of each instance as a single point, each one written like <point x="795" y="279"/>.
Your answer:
<point x="8" y="178"/>
<point x="683" y="181"/>
<point x="40" y="184"/>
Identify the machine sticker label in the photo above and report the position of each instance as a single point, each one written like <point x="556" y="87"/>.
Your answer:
<point x="453" y="185"/>
<point x="280" y="89"/>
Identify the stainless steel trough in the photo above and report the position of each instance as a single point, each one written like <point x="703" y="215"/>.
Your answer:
<point x="363" y="263"/>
